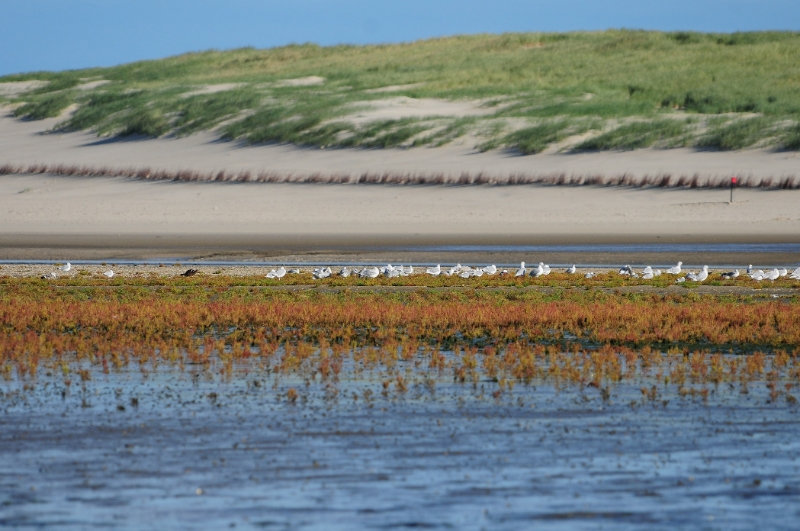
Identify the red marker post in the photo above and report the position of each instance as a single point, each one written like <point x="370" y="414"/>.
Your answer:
<point x="733" y="185"/>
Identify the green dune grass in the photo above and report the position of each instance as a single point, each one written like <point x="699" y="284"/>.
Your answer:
<point x="587" y="91"/>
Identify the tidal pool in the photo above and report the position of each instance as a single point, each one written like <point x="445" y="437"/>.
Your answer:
<point x="184" y="450"/>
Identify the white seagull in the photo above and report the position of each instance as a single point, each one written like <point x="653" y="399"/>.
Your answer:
<point x="66" y="267"/>
<point x="589" y="274"/>
<point x="280" y="273"/>
<point x="538" y="270"/>
<point x="675" y="270"/>
<point x="572" y="270"/>
<point x="795" y="274"/>
<point x="702" y="275"/>
<point x="521" y="271"/>
<point x="434" y="271"/>
<point x="319" y="274"/>
<point x="109" y="274"/>
<point x="345" y="272"/>
<point x="490" y="269"/>
<point x="370" y="272"/>
<point x="772" y="275"/>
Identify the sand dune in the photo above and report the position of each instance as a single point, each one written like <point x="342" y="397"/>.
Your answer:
<point x="24" y="142"/>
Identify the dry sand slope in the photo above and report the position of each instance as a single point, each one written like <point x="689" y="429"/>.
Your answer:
<point x="48" y="211"/>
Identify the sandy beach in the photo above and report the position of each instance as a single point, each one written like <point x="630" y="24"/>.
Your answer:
<point x="48" y="216"/>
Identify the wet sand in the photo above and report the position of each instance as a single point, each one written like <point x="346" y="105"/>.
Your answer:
<point x="56" y="217"/>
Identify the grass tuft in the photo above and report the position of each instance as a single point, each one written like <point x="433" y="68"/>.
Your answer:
<point x="49" y="106"/>
<point x="740" y="134"/>
<point x="634" y="135"/>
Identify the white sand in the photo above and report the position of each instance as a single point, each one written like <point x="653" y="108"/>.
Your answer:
<point x="52" y="205"/>
<point x="301" y="81"/>
<point x="44" y="204"/>
<point x="22" y="142"/>
<point x="212" y="89"/>
<point x="405" y="107"/>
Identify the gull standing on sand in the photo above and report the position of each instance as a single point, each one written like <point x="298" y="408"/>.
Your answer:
<point x="675" y="270"/>
<point x="521" y="271"/>
<point x="66" y="267"/>
<point x="572" y="270"/>
<point x="538" y="271"/>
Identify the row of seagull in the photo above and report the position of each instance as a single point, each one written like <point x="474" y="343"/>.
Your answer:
<point x="466" y="271"/>
<point x="66" y="268"/>
<point x="702" y="275"/>
<point x="541" y="269"/>
<point x="390" y="271"/>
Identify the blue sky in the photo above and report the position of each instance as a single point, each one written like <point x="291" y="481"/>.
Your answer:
<point x="64" y="34"/>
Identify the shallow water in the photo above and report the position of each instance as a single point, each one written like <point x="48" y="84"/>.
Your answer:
<point x="203" y="452"/>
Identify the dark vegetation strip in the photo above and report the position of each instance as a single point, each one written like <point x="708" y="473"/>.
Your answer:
<point x="790" y="182"/>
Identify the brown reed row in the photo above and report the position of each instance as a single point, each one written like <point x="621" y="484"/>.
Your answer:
<point x="789" y="182"/>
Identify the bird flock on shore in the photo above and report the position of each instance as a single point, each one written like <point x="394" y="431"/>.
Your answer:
<point x="465" y="271"/>
<point x="542" y="269"/>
